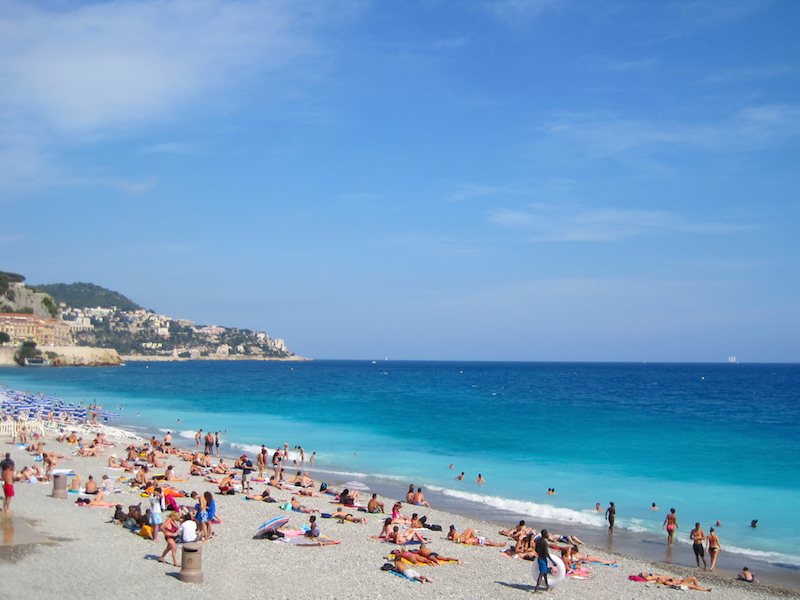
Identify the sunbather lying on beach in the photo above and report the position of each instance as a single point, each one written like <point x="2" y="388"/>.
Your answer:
<point x="308" y="493"/>
<point x="519" y="532"/>
<point x="408" y="572"/>
<point x="273" y="481"/>
<point x="571" y="557"/>
<point x="435" y="556"/>
<point x="470" y="538"/>
<point x="413" y="558"/>
<point x="221" y="468"/>
<point x="300" y="508"/>
<point x="100" y="501"/>
<point x="396" y="537"/>
<point x="263" y="496"/>
<point x="690" y="582"/>
<point x="340" y="514"/>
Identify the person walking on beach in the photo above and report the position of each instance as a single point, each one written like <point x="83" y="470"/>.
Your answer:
<point x="8" y="482"/>
<point x="713" y="546"/>
<point x="543" y="553"/>
<point x="611" y="513"/>
<point x="671" y="523"/>
<point x="698" y="536"/>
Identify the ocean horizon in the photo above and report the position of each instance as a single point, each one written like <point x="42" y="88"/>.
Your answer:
<point x="717" y="442"/>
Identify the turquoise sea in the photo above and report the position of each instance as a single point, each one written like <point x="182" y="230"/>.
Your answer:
<point x="714" y="441"/>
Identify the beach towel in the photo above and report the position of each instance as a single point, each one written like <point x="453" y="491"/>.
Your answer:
<point x="636" y="578"/>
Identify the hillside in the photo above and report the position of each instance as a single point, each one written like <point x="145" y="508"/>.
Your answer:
<point x="16" y="297"/>
<point x="87" y="295"/>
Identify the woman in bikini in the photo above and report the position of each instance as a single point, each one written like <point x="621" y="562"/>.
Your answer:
<point x="671" y="523"/>
<point x="170" y="528"/>
<point x="713" y="546"/>
<point x="435" y="556"/>
<point x="413" y="558"/>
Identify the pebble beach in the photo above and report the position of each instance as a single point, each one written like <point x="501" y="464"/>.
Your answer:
<point x="86" y="554"/>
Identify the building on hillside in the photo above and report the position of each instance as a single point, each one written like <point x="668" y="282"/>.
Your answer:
<point x="30" y="328"/>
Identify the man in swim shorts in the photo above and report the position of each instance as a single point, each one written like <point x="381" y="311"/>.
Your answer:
<point x="698" y="536"/>
<point x="8" y="482"/>
<point x="611" y="513"/>
<point x="543" y="553"/>
<point x="419" y="499"/>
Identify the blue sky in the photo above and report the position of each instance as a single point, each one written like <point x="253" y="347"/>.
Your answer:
<point x="510" y="180"/>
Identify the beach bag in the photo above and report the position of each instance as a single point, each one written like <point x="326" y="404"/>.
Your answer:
<point x="433" y="527"/>
<point x="323" y="487"/>
<point x="387" y="567"/>
<point x="129" y="523"/>
<point x="146" y="531"/>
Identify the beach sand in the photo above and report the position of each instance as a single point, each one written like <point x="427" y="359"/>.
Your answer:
<point x="88" y="556"/>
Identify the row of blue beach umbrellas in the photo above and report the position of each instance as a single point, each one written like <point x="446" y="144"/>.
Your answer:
<point x="19" y="403"/>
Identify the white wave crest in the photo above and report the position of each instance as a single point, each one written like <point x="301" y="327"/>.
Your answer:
<point x="531" y="509"/>
<point x="250" y="448"/>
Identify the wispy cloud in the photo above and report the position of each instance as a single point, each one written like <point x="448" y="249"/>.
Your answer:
<point x="135" y="187"/>
<point x="712" y="12"/>
<point x="169" y="148"/>
<point x="748" y="74"/>
<point x="603" y="134"/>
<point x="516" y="12"/>
<point x="579" y="224"/>
<point x="468" y="191"/>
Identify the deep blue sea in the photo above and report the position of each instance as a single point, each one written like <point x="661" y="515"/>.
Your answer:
<point x="714" y="441"/>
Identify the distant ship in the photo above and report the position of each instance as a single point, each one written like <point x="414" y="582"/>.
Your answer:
<point x="732" y="359"/>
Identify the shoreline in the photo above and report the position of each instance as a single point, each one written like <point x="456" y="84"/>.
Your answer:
<point x="633" y="545"/>
<point x="85" y="552"/>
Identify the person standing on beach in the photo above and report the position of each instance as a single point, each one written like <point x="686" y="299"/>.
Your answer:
<point x="8" y="481"/>
<point x="671" y="523"/>
<point x="261" y="464"/>
<point x="209" y="443"/>
<point x="246" y="465"/>
<point x="698" y="536"/>
<point x="197" y="437"/>
<point x="216" y="442"/>
<point x="611" y="513"/>
<point x="543" y="553"/>
<point x="713" y="546"/>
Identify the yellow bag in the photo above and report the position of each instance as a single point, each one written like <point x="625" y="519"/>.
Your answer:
<point x="146" y="532"/>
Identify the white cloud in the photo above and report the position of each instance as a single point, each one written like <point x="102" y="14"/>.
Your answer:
<point x="113" y="64"/>
<point x="578" y="224"/>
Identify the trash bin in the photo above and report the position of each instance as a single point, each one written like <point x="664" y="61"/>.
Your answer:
<point x="191" y="563"/>
<point x="60" y="486"/>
